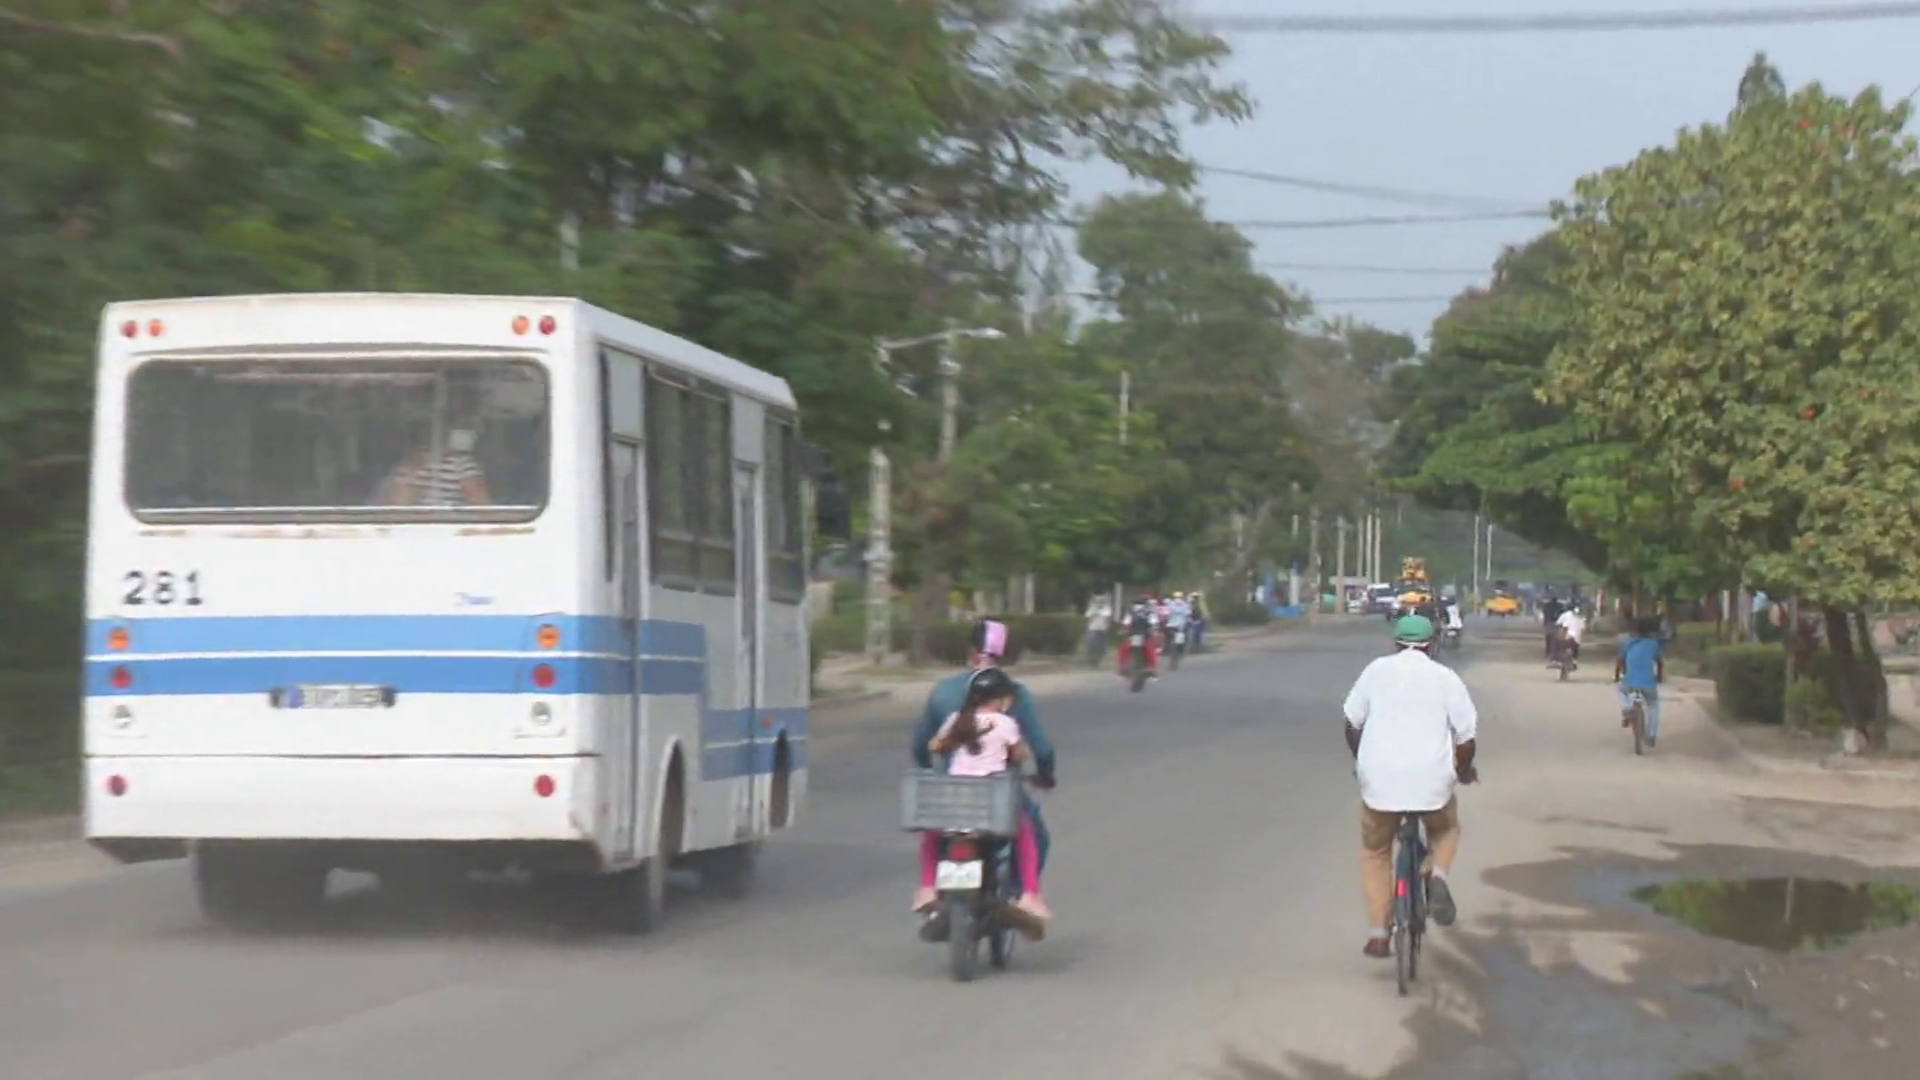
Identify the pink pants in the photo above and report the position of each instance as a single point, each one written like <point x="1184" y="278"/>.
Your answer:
<point x="1026" y="857"/>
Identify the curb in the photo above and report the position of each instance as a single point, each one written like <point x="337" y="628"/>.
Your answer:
<point x="1831" y="764"/>
<point x="848" y="701"/>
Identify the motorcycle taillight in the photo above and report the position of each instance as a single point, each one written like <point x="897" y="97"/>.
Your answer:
<point x="961" y="851"/>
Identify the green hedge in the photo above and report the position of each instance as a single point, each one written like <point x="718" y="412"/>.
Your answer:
<point x="840" y="633"/>
<point x="1239" y="613"/>
<point x="1813" y="703"/>
<point x="1691" y="643"/>
<point x="1750" y="682"/>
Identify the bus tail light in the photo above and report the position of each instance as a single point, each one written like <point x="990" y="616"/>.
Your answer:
<point x="130" y="329"/>
<point x="116" y="785"/>
<point x="122" y="678"/>
<point x="155" y="328"/>
<point x="118" y="639"/>
<point x="543" y="676"/>
<point x="544" y="786"/>
<point x="520" y="324"/>
<point x="548" y="324"/>
<point x="548" y="636"/>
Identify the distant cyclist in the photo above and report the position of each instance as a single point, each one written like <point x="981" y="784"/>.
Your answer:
<point x="1411" y="726"/>
<point x="1641" y="667"/>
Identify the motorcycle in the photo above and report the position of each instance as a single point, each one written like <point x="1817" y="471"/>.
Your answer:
<point x="1176" y="647"/>
<point x="976" y="881"/>
<point x="1136" y="670"/>
<point x="1450" y="638"/>
<point x="1566" y="653"/>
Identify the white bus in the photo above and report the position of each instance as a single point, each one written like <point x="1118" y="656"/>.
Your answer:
<point x="396" y="582"/>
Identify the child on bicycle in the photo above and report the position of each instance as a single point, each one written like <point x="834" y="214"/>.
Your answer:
<point x="982" y="740"/>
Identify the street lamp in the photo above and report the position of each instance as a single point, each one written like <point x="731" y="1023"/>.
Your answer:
<point x="880" y="497"/>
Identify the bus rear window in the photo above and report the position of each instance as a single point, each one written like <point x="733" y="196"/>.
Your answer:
<point x="273" y="440"/>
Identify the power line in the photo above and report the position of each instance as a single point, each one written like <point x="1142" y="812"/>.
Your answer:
<point x="1418" y="198"/>
<point x="1381" y="299"/>
<point x="1369" y="222"/>
<point x="1355" y="268"/>
<point x="1567" y="22"/>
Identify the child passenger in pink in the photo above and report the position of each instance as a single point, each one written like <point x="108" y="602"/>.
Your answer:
<point x="983" y="740"/>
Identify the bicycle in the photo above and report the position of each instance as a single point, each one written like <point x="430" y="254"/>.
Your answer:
<point x="1409" y="922"/>
<point x="1637" y="719"/>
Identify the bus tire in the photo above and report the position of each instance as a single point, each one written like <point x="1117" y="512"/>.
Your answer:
<point x="780" y="787"/>
<point x="638" y="896"/>
<point x="245" y="886"/>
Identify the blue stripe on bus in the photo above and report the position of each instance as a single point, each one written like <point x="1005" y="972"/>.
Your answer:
<point x="389" y="633"/>
<point x="727" y="753"/>
<point x="386" y="652"/>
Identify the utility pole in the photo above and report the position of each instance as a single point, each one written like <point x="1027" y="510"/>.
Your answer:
<point x="1313" y="561"/>
<point x="1340" y="564"/>
<point x="570" y="241"/>
<point x="949" y="397"/>
<point x="1379" y="546"/>
<point x="1489" y="551"/>
<point x="1126" y="403"/>
<point x="1476" y="555"/>
<point x="880" y="541"/>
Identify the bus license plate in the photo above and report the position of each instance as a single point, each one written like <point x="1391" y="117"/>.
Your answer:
<point x="335" y="697"/>
<point x="959" y="875"/>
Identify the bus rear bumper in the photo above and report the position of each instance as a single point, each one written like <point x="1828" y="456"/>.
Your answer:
<point x="294" y="798"/>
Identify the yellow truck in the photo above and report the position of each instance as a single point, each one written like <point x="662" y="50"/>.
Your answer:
<point x="1413" y="589"/>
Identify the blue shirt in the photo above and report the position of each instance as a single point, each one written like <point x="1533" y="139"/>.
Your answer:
<point x="1640" y="658"/>
<point x="946" y="698"/>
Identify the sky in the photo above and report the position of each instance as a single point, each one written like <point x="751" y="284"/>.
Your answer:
<point x="1508" y="117"/>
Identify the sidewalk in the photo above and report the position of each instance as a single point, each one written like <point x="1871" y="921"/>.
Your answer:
<point x="1552" y="953"/>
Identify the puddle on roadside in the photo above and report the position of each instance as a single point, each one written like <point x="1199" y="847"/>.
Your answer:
<point x="1783" y="914"/>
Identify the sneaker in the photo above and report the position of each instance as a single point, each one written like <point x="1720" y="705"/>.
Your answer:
<point x="1440" y="904"/>
<point x="1378" y="948"/>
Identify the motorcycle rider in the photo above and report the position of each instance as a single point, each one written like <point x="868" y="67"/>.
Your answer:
<point x="1142" y="621"/>
<point x="985" y="649"/>
<point x="1179" y="618"/>
<point x="1450" y="613"/>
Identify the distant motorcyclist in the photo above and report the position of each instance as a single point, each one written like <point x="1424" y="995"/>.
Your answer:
<point x="1142" y="623"/>
<point x="1179" y="619"/>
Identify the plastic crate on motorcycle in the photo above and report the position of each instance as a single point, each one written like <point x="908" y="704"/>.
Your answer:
<point x="984" y="804"/>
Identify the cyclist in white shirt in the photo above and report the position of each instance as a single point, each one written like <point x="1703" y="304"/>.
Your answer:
<point x="1411" y="726"/>
<point x="1572" y="626"/>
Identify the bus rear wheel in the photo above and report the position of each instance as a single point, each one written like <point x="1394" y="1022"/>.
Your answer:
<point x="258" y="886"/>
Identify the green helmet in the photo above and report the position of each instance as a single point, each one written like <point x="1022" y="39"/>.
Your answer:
<point x="1413" y="630"/>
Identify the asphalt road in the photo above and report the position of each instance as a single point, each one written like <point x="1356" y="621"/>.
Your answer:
<point x="1202" y="879"/>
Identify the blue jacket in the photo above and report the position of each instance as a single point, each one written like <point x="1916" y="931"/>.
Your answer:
<point x="946" y="698"/>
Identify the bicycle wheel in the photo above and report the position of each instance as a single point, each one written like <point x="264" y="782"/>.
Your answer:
<point x="1639" y="729"/>
<point x="1404" y="943"/>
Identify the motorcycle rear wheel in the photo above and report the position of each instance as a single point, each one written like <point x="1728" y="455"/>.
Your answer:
<point x="963" y="940"/>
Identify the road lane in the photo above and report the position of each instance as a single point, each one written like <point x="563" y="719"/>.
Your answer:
<point x="1203" y="863"/>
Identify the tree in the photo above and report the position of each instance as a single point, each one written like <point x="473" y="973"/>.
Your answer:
<point x="1206" y="339"/>
<point x="784" y="180"/>
<point x="1745" y="310"/>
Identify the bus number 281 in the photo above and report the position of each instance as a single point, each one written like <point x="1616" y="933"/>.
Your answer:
<point x="161" y="587"/>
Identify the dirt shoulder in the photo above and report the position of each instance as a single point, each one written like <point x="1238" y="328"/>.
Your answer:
<point x="1556" y="970"/>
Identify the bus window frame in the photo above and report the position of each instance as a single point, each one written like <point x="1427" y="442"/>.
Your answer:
<point x="369" y="515"/>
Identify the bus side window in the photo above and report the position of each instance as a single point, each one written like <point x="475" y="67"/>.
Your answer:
<point x="786" y="533"/>
<point x="670" y="509"/>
